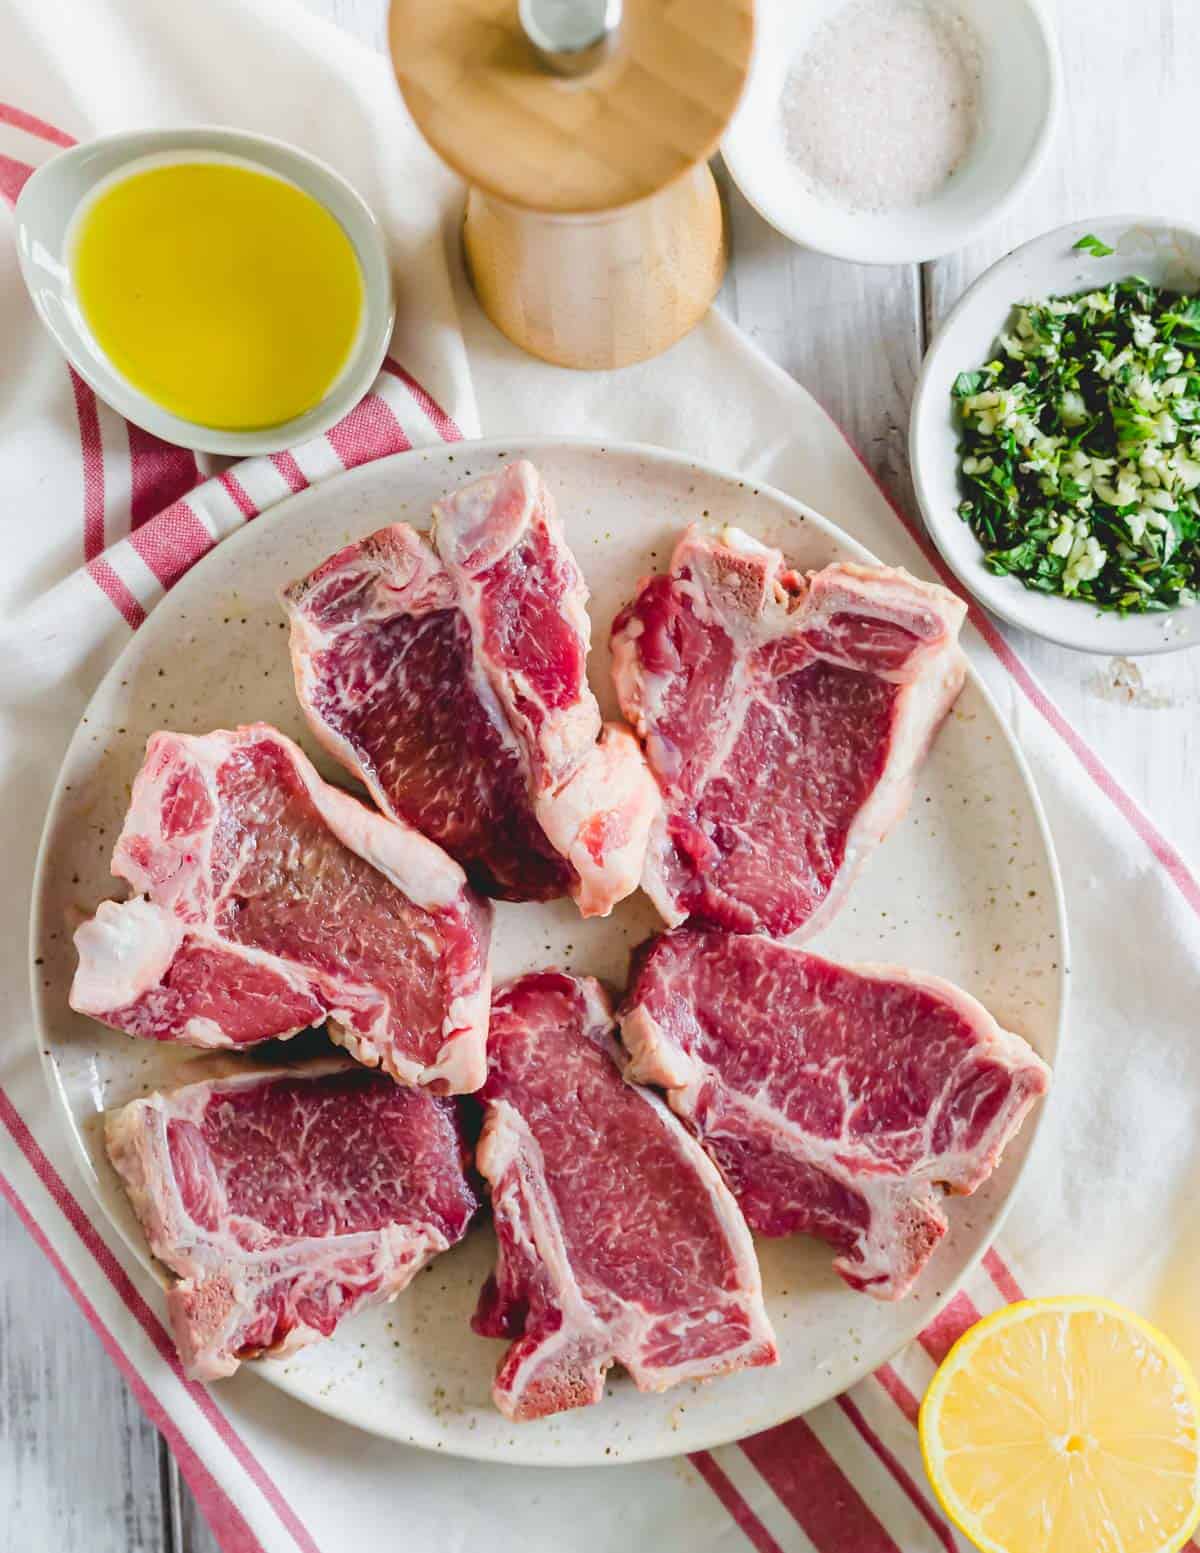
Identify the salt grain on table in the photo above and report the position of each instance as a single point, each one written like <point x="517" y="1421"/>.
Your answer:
<point x="881" y="107"/>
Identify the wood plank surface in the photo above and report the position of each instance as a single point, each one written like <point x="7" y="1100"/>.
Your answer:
<point x="80" y="1469"/>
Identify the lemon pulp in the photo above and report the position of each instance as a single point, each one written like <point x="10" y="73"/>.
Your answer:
<point x="1065" y="1426"/>
<point x="225" y="294"/>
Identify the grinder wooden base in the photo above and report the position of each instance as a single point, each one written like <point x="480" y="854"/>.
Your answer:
<point x="599" y="290"/>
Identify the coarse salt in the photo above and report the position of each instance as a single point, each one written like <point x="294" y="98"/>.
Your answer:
<point x="881" y="107"/>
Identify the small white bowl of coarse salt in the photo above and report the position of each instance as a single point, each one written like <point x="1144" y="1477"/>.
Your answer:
<point x="892" y="131"/>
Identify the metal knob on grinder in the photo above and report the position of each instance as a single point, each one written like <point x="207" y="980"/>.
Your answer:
<point x="571" y="37"/>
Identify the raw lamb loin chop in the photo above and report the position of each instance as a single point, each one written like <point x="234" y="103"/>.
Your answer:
<point x="784" y="717"/>
<point x="618" y="1238"/>
<point x="449" y="673"/>
<point x="836" y="1099"/>
<point x="283" y="1201"/>
<point x="270" y="902"/>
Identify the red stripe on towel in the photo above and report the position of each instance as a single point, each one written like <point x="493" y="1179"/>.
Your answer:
<point x="19" y="119"/>
<point x="747" y="1522"/>
<point x="238" y="494"/>
<point x="815" y="1491"/>
<point x="900" y="1474"/>
<point x="940" y="1336"/>
<point x="13" y="177"/>
<point x="172" y="542"/>
<point x="92" y="453"/>
<point x="369" y="431"/>
<point x="904" y="1399"/>
<point x="116" y="592"/>
<point x="160" y="474"/>
<point x="1000" y="1275"/>
<point x="441" y="422"/>
<point x="290" y="470"/>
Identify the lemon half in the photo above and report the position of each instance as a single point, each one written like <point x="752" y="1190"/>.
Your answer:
<point x="1065" y="1425"/>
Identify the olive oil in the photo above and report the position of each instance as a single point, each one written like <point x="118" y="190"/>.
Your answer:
<point x="225" y="294"/>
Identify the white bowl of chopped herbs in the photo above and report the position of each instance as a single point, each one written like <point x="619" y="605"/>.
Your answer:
<point x="1055" y="436"/>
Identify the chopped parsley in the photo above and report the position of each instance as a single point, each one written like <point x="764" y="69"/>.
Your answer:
<point x="1080" y="450"/>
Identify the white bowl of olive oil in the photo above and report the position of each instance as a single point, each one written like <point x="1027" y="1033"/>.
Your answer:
<point x="222" y="290"/>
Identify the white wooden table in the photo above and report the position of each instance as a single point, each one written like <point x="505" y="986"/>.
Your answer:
<point x="81" y="1471"/>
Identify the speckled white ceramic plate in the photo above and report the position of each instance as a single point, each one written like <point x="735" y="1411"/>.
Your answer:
<point x="966" y="887"/>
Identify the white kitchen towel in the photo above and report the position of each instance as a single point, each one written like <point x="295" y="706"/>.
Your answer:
<point x="99" y="520"/>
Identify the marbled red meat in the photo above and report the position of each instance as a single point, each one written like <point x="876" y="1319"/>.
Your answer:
<point x="784" y="718"/>
<point x="449" y="672"/>
<point x="272" y="901"/>
<point x="837" y="1100"/>
<point x="618" y="1239"/>
<point x="283" y="1201"/>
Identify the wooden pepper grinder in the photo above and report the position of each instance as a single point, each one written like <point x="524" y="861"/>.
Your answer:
<point x="593" y="228"/>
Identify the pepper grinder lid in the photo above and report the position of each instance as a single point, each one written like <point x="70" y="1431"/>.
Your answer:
<point x="571" y="106"/>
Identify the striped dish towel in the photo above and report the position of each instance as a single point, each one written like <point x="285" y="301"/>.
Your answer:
<point x="149" y="513"/>
<point x="100" y="520"/>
